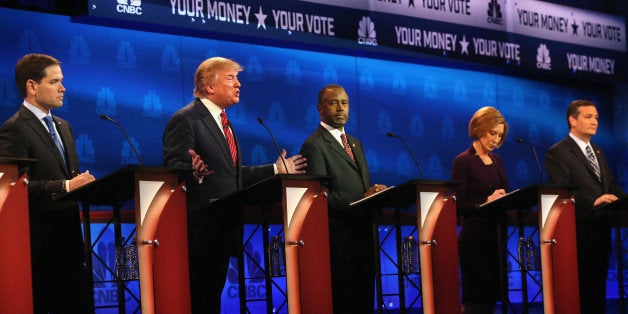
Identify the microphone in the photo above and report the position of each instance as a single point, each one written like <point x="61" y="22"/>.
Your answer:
<point x="536" y="157"/>
<point x="106" y="117"/>
<point x="274" y="142"/>
<point x="391" y="134"/>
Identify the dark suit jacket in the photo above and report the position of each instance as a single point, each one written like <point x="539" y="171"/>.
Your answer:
<point x="56" y="237"/>
<point x="478" y="237"/>
<point x="350" y="232"/>
<point x="24" y="136"/>
<point x="325" y="156"/>
<point x="475" y="187"/>
<point x="193" y="127"/>
<point x="565" y="163"/>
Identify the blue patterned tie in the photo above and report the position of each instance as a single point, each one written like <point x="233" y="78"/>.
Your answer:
<point x="593" y="161"/>
<point x="55" y="137"/>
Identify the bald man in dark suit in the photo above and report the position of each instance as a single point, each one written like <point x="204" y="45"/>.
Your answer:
<point x="567" y="162"/>
<point x="60" y="280"/>
<point x="350" y="232"/>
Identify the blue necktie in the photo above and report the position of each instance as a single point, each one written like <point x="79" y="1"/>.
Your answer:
<point x="55" y="137"/>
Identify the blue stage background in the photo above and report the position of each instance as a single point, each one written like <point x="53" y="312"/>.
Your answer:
<point x="140" y="78"/>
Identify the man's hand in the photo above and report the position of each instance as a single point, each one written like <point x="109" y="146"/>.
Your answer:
<point x="296" y="164"/>
<point x="199" y="166"/>
<point x="497" y="194"/>
<point x="605" y="199"/>
<point x="374" y="189"/>
<point x="80" y="180"/>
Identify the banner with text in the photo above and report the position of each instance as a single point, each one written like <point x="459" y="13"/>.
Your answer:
<point x="528" y="36"/>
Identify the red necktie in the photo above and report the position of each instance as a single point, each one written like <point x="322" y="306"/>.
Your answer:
<point x="229" y="137"/>
<point x="346" y="146"/>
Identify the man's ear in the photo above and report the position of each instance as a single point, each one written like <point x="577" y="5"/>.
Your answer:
<point x="572" y="121"/>
<point x="209" y="89"/>
<point x="31" y="87"/>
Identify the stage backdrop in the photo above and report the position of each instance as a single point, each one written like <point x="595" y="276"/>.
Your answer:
<point x="140" y="78"/>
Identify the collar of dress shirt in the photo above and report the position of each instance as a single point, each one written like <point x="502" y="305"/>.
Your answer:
<point x="334" y="132"/>
<point x="214" y="110"/>
<point x="37" y="112"/>
<point x="582" y="144"/>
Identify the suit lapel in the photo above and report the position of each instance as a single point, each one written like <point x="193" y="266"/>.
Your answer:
<point x="360" y="160"/>
<point x="575" y="149"/>
<point x="601" y="160"/>
<point x="44" y="136"/>
<point x="68" y="142"/>
<point x="215" y="130"/>
<point x="336" y="147"/>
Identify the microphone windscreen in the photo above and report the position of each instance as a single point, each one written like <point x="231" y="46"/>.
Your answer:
<point x="260" y="120"/>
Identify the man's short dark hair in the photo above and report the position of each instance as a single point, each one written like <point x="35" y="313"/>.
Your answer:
<point x="573" y="110"/>
<point x="32" y="67"/>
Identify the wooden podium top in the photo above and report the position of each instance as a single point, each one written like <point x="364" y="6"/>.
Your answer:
<point x="398" y="196"/>
<point x="16" y="161"/>
<point x="267" y="191"/>
<point x="521" y="199"/>
<point x="117" y="187"/>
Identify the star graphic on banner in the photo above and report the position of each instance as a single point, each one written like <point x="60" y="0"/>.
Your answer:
<point x="261" y="19"/>
<point x="464" y="44"/>
<point x="574" y="28"/>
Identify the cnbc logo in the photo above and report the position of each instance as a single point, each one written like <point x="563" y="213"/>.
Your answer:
<point x="543" y="59"/>
<point x="129" y="6"/>
<point x="366" y="32"/>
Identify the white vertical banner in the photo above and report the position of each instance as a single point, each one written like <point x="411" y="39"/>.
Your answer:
<point x="293" y="196"/>
<point x="427" y="199"/>
<point x="148" y="190"/>
<point x="547" y="201"/>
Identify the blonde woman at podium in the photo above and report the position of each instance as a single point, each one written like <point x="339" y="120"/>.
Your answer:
<point x="482" y="179"/>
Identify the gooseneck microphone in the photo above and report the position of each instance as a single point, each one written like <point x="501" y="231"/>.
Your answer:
<point x="391" y="134"/>
<point x="536" y="157"/>
<point x="274" y="142"/>
<point x="106" y="117"/>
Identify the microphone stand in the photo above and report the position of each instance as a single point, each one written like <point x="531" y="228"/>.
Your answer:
<point x="536" y="157"/>
<point x="391" y="134"/>
<point x="106" y="117"/>
<point x="283" y="160"/>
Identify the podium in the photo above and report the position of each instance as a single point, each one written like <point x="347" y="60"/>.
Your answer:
<point x="615" y="208"/>
<point x="557" y="236"/>
<point x="306" y="234"/>
<point x="438" y="242"/>
<point x="16" y="290"/>
<point x="161" y="228"/>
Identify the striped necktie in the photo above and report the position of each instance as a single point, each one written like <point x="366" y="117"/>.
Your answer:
<point x="229" y="137"/>
<point x="593" y="162"/>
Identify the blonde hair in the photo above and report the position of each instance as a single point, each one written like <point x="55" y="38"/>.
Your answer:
<point x="207" y="72"/>
<point x="484" y="120"/>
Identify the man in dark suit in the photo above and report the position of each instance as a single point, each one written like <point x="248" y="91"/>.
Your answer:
<point x="60" y="279"/>
<point x="199" y="136"/>
<point x="578" y="162"/>
<point x="350" y="232"/>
